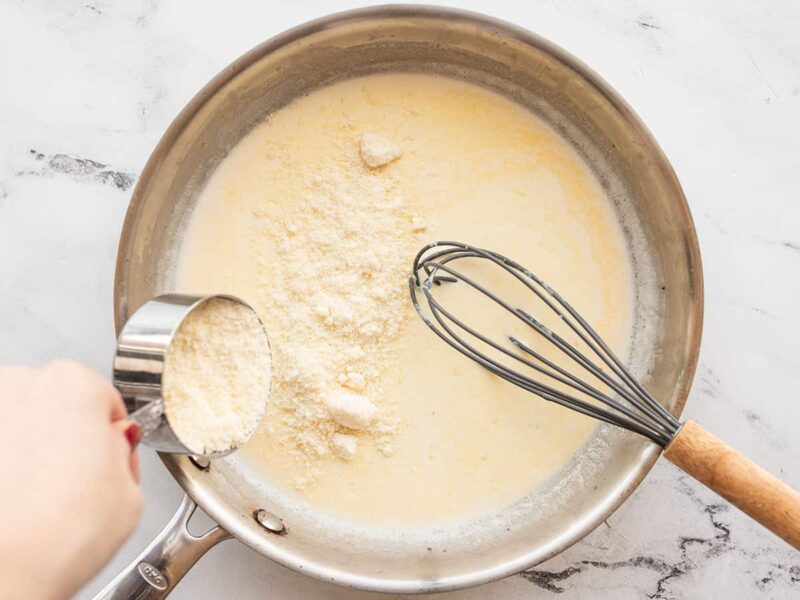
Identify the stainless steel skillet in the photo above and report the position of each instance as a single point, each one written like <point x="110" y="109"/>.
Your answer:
<point x="627" y="161"/>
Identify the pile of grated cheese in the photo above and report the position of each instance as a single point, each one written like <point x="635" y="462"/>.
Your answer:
<point x="216" y="376"/>
<point x="341" y="291"/>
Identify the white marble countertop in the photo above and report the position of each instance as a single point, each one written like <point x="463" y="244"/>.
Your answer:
<point x="89" y="86"/>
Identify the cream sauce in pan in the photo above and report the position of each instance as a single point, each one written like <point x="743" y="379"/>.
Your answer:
<point x="450" y="442"/>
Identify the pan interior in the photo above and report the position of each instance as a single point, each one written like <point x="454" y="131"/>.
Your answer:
<point x="629" y="166"/>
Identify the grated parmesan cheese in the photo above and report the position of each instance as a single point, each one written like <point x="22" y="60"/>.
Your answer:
<point x="377" y="151"/>
<point x="353" y="411"/>
<point x="216" y="376"/>
<point x="344" y="445"/>
<point x="342" y="301"/>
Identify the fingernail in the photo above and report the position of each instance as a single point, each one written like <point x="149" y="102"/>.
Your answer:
<point x="133" y="434"/>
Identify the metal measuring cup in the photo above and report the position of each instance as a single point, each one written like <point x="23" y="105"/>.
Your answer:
<point x="142" y="348"/>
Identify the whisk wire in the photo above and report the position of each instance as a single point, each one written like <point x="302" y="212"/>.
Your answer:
<point x="540" y="328"/>
<point x="575" y="355"/>
<point x="618" y="367"/>
<point x="500" y="369"/>
<point x="603" y="351"/>
<point x="646" y="417"/>
<point x="541" y="390"/>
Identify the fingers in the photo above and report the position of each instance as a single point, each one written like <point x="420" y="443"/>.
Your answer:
<point x="100" y="392"/>
<point x="131" y="499"/>
<point x="134" y="497"/>
<point x="86" y="395"/>
<point x="131" y="433"/>
<point x="91" y="391"/>
<point x="134" y="465"/>
<point x="117" y="408"/>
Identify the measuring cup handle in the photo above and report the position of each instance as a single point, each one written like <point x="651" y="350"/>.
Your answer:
<point x="155" y="572"/>
<point x="148" y="418"/>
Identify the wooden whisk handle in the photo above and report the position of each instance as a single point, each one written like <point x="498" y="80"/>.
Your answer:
<point x="739" y="480"/>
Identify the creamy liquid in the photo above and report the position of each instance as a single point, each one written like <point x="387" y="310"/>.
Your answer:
<point x="477" y="168"/>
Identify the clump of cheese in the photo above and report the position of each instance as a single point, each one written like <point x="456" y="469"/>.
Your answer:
<point x="377" y="151"/>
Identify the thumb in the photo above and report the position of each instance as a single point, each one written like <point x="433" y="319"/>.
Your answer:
<point x="132" y="433"/>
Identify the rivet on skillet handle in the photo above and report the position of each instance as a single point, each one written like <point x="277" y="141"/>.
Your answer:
<point x="270" y="521"/>
<point x="154" y="573"/>
<point x="201" y="462"/>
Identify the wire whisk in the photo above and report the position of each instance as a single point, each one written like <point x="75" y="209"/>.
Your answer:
<point x="613" y="396"/>
<point x="438" y="263"/>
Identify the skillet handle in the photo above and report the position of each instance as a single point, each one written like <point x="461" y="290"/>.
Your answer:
<point x="156" y="571"/>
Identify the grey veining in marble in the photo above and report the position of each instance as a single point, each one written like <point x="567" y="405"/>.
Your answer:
<point x="89" y="87"/>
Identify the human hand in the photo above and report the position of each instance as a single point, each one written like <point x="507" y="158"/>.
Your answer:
<point x="69" y="480"/>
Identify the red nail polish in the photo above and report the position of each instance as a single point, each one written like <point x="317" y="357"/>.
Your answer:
<point x="133" y="434"/>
